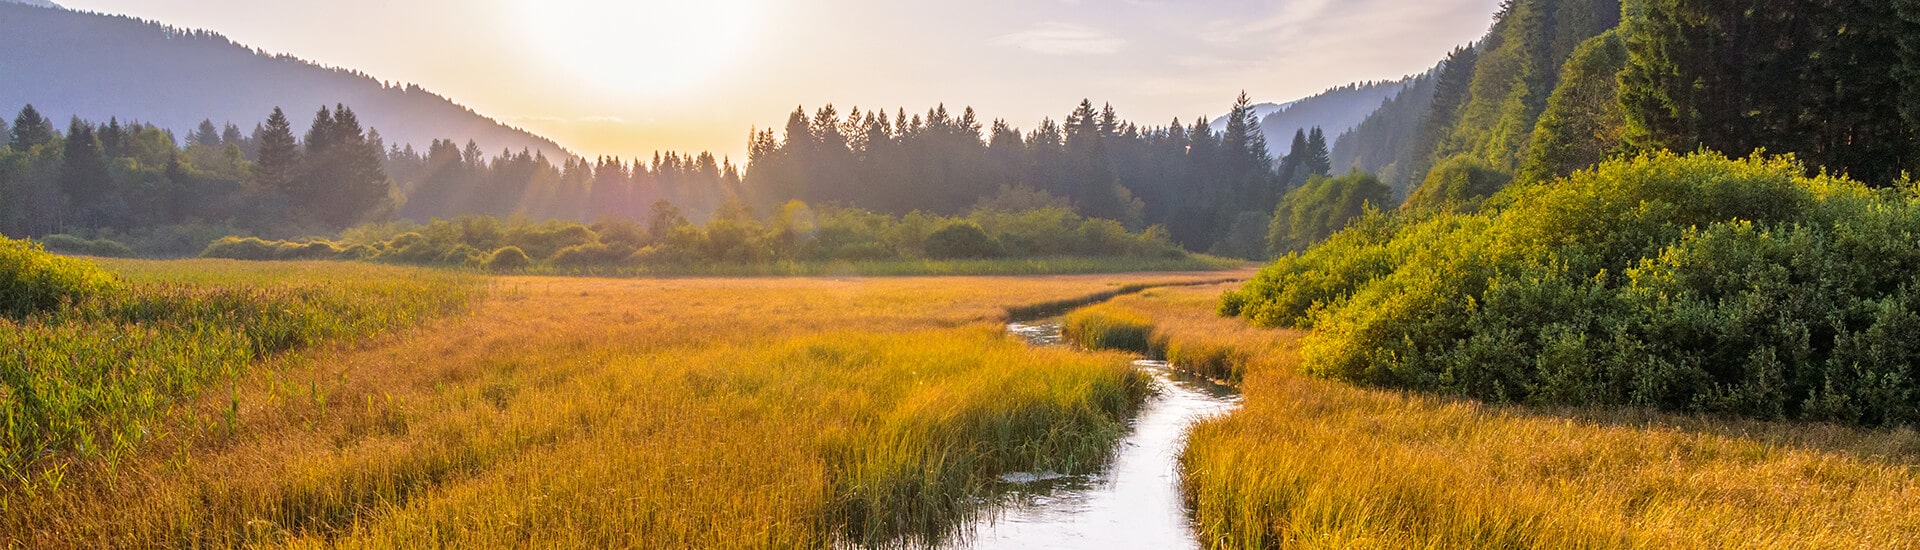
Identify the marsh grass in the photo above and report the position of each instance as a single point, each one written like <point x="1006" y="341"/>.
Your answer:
<point x="88" y="379"/>
<point x="1061" y="265"/>
<point x="1312" y="463"/>
<point x="661" y="413"/>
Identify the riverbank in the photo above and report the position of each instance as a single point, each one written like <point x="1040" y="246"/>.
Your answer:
<point x="1310" y="463"/>
<point x="688" y="413"/>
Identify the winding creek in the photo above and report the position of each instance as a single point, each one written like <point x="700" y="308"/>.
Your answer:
<point x="1136" y="502"/>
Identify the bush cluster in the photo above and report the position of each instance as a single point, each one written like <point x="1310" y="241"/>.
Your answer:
<point x="797" y="233"/>
<point x="1688" y="283"/>
<point x="34" y="281"/>
<point x="103" y="248"/>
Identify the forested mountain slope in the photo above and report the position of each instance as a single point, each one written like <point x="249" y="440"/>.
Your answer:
<point x="69" y="63"/>
<point x="1335" y="111"/>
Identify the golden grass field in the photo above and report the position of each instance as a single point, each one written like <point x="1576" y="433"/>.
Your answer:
<point x="556" y="412"/>
<point x="783" y="413"/>
<point x="1310" y="463"/>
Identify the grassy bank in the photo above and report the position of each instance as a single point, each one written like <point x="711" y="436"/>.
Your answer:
<point x="909" y="268"/>
<point x="1312" y="463"/>
<point x="659" y="413"/>
<point x="93" y="364"/>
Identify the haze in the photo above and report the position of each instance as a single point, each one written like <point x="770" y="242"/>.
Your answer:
<point x="607" y="77"/>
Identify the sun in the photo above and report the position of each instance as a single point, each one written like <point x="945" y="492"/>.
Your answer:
<point x="642" y="46"/>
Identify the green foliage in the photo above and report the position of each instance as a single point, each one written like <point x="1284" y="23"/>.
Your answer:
<point x="1109" y="329"/>
<point x="1688" y="283"/>
<point x="1321" y="208"/>
<point x="103" y="248"/>
<point x="962" y="240"/>
<point x="1458" y="183"/>
<point x="1583" y="123"/>
<point x="797" y="233"/>
<point x="102" y="360"/>
<point x="252" y="248"/>
<point x="1516" y="71"/>
<point x="34" y="281"/>
<point x="1819" y="80"/>
<point x="508" y="259"/>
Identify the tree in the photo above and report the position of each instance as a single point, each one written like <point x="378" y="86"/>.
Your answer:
<point x="1583" y="123"/>
<point x="343" y="178"/>
<point x="84" y="177"/>
<point x="1317" y="161"/>
<point x="31" y="130"/>
<point x="279" y="157"/>
<point x="1809" y="77"/>
<point x="1322" y="207"/>
<point x="206" y="135"/>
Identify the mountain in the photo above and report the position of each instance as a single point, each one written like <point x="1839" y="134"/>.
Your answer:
<point x="95" y="66"/>
<point x="39" y="3"/>
<point x="1335" y="111"/>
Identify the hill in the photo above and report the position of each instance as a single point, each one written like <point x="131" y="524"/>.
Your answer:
<point x="1336" y="111"/>
<point x="95" y="66"/>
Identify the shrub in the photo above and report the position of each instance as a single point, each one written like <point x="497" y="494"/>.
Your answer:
<point x="69" y="244"/>
<point x="1321" y="208"/>
<point x="1459" y="183"/>
<point x="1687" y="283"/>
<point x="592" y="254"/>
<point x="241" y="248"/>
<point x="508" y="259"/>
<point x="33" y="280"/>
<point x="961" y="240"/>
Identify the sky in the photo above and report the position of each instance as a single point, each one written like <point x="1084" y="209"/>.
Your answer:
<point x="630" y="77"/>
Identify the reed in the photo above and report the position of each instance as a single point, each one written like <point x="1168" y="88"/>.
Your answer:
<point x="575" y="412"/>
<point x="1313" y="463"/>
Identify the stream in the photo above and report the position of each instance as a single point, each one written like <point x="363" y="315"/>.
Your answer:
<point x="1135" y="503"/>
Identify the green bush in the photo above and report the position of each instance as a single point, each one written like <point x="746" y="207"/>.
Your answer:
<point x="33" y="280"/>
<point x="69" y="244"/>
<point x="241" y="248"/>
<point x="962" y="240"/>
<point x="1321" y="208"/>
<point x="1687" y="283"/>
<point x="508" y="259"/>
<point x="1459" y="183"/>
<point x="593" y="254"/>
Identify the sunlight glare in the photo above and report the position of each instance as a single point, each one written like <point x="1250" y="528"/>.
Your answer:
<point x="642" y="46"/>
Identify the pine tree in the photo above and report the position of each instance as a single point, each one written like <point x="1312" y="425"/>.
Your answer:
<point x="231" y="136"/>
<point x="1318" y="161"/>
<point x="83" y="174"/>
<point x="1809" y="77"/>
<point x="350" y="180"/>
<point x="279" y="157"/>
<point x="113" y="139"/>
<point x="31" y="130"/>
<point x="206" y="135"/>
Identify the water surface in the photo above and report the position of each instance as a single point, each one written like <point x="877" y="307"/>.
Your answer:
<point x="1134" y="504"/>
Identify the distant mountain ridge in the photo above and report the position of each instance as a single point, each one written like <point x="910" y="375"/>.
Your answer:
<point x="95" y="66"/>
<point x="1335" y="111"/>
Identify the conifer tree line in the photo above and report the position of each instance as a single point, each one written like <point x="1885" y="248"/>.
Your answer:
<point x="1204" y="186"/>
<point x="1561" y="85"/>
<point x="140" y="182"/>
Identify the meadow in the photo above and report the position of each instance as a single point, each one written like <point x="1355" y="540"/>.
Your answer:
<point x="1317" y="463"/>
<point x="575" y="412"/>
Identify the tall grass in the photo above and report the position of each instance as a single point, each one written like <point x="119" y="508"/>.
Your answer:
<point x="1311" y="463"/>
<point x="91" y="373"/>
<point x="668" y="413"/>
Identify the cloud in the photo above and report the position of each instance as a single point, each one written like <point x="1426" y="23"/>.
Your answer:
<point x="1064" y="39"/>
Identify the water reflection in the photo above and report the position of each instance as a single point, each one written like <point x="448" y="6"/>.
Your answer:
<point x="1134" y="504"/>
